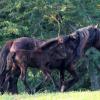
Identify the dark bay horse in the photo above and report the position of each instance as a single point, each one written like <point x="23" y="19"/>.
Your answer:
<point x="20" y="45"/>
<point x="77" y="43"/>
<point x="48" y="56"/>
<point x="39" y="58"/>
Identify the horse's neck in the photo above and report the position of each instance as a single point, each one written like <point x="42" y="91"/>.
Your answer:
<point x="97" y="41"/>
<point x="93" y="41"/>
<point x="38" y="42"/>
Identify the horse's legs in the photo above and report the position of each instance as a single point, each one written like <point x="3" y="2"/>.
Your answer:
<point x="13" y="85"/>
<point x="62" y="86"/>
<point x="23" y="70"/>
<point x="13" y="82"/>
<point x="2" y="79"/>
<point x="6" y="82"/>
<point x="47" y="73"/>
<point x="8" y="73"/>
<point x="72" y="71"/>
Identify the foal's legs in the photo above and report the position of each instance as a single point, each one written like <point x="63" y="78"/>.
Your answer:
<point x="62" y="86"/>
<point x="23" y="69"/>
<point x="18" y="68"/>
<point x="72" y="71"/>
<point x="12" y="88"/>
<point x="47" y="73"/>
<point x="9" y="85"/>
<point x="2" y="79"/>
<point x="6" y="83"/>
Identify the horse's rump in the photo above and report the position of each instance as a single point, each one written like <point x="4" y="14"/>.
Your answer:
<point x="25" y="43"/>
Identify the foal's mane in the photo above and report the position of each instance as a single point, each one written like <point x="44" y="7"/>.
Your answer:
<point x="48" y="43"/>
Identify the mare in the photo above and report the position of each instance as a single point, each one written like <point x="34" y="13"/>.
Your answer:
<point x="77" y="43"/>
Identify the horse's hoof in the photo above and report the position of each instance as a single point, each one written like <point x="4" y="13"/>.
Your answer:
<point x="29" y="92"/>
<point x="62" y="88"/>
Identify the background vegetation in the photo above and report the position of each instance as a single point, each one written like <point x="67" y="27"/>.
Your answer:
<point x="46" y="19"/>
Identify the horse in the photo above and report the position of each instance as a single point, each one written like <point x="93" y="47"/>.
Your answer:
<point x="25" y="58"/>
<point x="54" y="41"/>
<point x="29" y="43"/>
<point x="77" y="43"/>
<point x="47" y="60"/>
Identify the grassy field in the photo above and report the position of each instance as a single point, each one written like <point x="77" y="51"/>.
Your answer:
<point x="88" y="95"/>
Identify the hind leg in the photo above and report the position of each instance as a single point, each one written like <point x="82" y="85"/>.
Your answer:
<point x="62" y="85"/>
<point x="47" y="73"/>
<point x="13" y="82"/>
<point x="23" y="70"/>
<point x="2" y="79"/>
<point x="13" y="85"/>
<point x="6" y="83"/>
<point x="17" y="69"/>
<point x="9" y="70"/>
<point x="74" y="74"/>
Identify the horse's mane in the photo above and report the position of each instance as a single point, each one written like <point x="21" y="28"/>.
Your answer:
<point x="48" y="43"/>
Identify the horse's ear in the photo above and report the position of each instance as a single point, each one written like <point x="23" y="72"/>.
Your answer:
<point x="95" y="26"/>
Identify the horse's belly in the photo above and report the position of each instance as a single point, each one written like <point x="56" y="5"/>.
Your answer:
<point x="56" y="64"/>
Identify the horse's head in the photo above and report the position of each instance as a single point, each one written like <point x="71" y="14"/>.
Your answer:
<point x="93" y="29"/>
<point x="54" y="46"/>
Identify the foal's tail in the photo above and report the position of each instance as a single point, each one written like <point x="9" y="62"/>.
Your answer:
<point x="3" y="56"/>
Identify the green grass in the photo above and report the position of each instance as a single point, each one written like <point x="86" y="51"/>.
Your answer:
<point x="88" y="95"/>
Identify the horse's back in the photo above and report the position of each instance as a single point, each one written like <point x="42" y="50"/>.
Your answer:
<point x="26" y="43"/>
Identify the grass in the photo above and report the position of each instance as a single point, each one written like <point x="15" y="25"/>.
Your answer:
<point x="88" y="95"/>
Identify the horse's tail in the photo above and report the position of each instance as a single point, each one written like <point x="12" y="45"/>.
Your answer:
<point x="3" y="55"/>
<point x="11" y="65"/>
